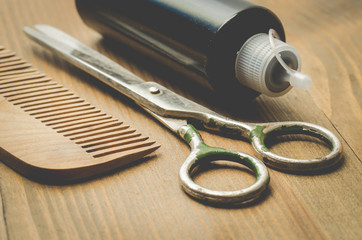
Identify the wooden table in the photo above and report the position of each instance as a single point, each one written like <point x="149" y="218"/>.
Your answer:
<point x="144" y="200"/>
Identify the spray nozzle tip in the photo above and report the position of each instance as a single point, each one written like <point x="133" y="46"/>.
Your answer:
<point x="296" y="79"/>
<point x="300" y="80"/>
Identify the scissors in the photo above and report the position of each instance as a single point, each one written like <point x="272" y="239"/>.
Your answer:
<point x="174" y="111"/>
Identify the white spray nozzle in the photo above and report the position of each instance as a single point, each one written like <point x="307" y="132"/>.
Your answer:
<point x="300" y="80"/>
<point x="296" y="79"/>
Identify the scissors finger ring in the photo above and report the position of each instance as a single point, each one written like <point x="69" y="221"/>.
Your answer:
<point x="257" y="133"/>
<point x="201" y="153"/>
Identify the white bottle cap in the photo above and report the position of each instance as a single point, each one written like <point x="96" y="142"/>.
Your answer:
<point x="269" y="66"/>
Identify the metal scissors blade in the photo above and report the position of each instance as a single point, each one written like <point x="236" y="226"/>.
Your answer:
<point x="151" y="95"/>
<point x="166" y="105"/>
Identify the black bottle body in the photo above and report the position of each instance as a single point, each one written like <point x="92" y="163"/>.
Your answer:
<point x="199" y="38"/>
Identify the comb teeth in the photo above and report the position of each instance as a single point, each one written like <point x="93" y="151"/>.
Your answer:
<point x="97" y="133"/>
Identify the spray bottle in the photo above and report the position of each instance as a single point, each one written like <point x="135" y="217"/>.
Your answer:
<point x="234" y="46"/>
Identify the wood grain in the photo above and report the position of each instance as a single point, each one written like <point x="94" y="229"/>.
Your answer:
<point x="144" y="201"/>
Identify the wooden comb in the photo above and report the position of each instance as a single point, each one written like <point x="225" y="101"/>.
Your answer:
<point x="51" y="135"/>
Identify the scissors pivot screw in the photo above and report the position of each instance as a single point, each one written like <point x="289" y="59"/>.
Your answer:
<point x="154" y="90"/>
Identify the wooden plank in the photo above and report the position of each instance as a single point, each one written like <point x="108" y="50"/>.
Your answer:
<point x="144" y="201"/>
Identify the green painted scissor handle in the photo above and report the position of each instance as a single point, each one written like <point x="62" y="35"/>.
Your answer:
<point x="201" y="153"/>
